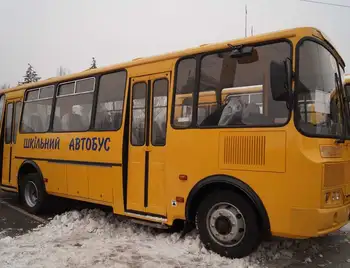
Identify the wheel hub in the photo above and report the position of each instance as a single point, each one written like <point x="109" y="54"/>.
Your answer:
<point x="31" y="194"/>
<point x="223" y="225"/>
<point x="226" y="224"/>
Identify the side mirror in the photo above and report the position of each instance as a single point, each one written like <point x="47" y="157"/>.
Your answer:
<point x="280" y="80"/>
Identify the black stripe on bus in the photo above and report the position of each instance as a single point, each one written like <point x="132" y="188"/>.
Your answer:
<point x="74" y="162"/>
<point x="10" y="164"/>
<point x="145" y="201"/>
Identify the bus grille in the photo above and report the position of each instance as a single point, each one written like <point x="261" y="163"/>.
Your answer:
<point x="334" y="174"/>
<point x="244" y="150"/>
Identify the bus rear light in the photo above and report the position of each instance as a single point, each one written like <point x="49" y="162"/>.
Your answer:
<point x="333" y="197"/>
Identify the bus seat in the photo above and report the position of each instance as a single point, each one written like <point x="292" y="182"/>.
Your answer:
<point x="57" y="123"/>
<point x="251" y="114"/>
<point x="158" y="133"/>
<point x="76" y="122"/>
<point x="117" y="120"/>
<point x="232" y="113"/>
<point x="36" y="123"/>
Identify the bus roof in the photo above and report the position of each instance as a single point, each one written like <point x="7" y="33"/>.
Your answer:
<point x="288" y="33"/>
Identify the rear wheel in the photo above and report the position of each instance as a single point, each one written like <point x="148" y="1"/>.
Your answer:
<point x="33" y="193"/>
<point x="228" y="224"/>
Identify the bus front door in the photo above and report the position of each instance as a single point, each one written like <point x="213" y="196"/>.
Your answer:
<point x="12" y="115"/>
<point x="147" y="140"/>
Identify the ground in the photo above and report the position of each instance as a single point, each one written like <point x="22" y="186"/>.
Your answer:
<point x="80" y="235"/>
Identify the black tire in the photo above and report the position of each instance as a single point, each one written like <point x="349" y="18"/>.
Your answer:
<point x="252" y="236"/>
<point x="33" y="180"/>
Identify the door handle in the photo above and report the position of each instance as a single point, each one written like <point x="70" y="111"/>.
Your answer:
<point x="148" y="149"/>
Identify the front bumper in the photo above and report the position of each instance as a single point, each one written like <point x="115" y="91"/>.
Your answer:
<point x="317" y="222"/>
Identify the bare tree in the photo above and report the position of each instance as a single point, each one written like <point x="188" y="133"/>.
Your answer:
<point x="5" y="86"/>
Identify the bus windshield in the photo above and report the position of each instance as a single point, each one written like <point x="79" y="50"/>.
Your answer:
<point x="319" y="110"/>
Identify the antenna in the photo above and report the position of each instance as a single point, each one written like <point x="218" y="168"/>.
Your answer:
<point x="246" y="15"/>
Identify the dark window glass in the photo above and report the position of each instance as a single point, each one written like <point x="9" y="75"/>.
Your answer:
<point x="17" y="118"/>
<point x="347" y="88"/>
<point x="319" y="110"/>
<point x="66" y="89"/>
<point x="46" y="92"/>
<point x="37" y="112"/>
<point x="73" y="112"/>
<point x="8" y="125"/>
<point x="240" y="87"/>
<point x="139" y="98"/>
<point x="159" y="114"/>
<point x="110" y="101"/>
<point x="2" y="102"/>
<point x="185" y="86"/>
<point x="32" y="94"/>
<point x="85" y="85"/>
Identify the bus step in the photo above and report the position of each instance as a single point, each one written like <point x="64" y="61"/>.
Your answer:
<point x="150" y="224"/>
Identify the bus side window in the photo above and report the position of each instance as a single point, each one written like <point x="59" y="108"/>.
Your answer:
<point x="8" y="123"/>
<point x="139" y="95"/>
<point x="184" y="88"/>
<point x="18" y="109"/>
<point x="37" y="110"/>
<point x="110" y="101"/>
<point x="159" y="113"/>
<point x="247" y="77"/>
<point x="74" y="105"/>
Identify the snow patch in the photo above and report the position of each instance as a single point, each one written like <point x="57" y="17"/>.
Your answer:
<point x="346" y="228"/>
<point x="92" y="238"/>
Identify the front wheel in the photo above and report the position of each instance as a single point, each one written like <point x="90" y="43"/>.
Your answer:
<point x="228" y="224"/>
<point x="33" y="193"/>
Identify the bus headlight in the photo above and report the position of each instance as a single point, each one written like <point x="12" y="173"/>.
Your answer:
<point x="333" y="197"/>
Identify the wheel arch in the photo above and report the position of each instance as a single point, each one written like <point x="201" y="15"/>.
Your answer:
<point x="215" y="182"/>
<point x="27" y="167"/>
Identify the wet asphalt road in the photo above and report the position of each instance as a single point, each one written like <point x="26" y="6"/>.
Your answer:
<point x="329" y="251"/>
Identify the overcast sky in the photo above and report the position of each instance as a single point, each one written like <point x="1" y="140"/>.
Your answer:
<point x="50" y="34"/>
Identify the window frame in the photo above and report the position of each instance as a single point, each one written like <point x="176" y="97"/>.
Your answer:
<point x="337" y="57"/>
<point x="166" y="113"/>
<point x="23" y="104"/>
<point x="198" y="58"/>
<point x="97" y="91"/>
<point x="94" y="101"/>
<point x="146" y="108"/>
<point x="15" y="130"/>
<point x="93" y="92"/>
<point x="11" y="127"/>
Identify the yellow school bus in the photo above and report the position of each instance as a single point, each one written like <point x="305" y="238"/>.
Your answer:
<point x="134" y="137"/>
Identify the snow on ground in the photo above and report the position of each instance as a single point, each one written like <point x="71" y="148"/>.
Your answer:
<point x="4" y="233"/>
<point x="346" y="228"/>
<point x="91" y="238"/>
